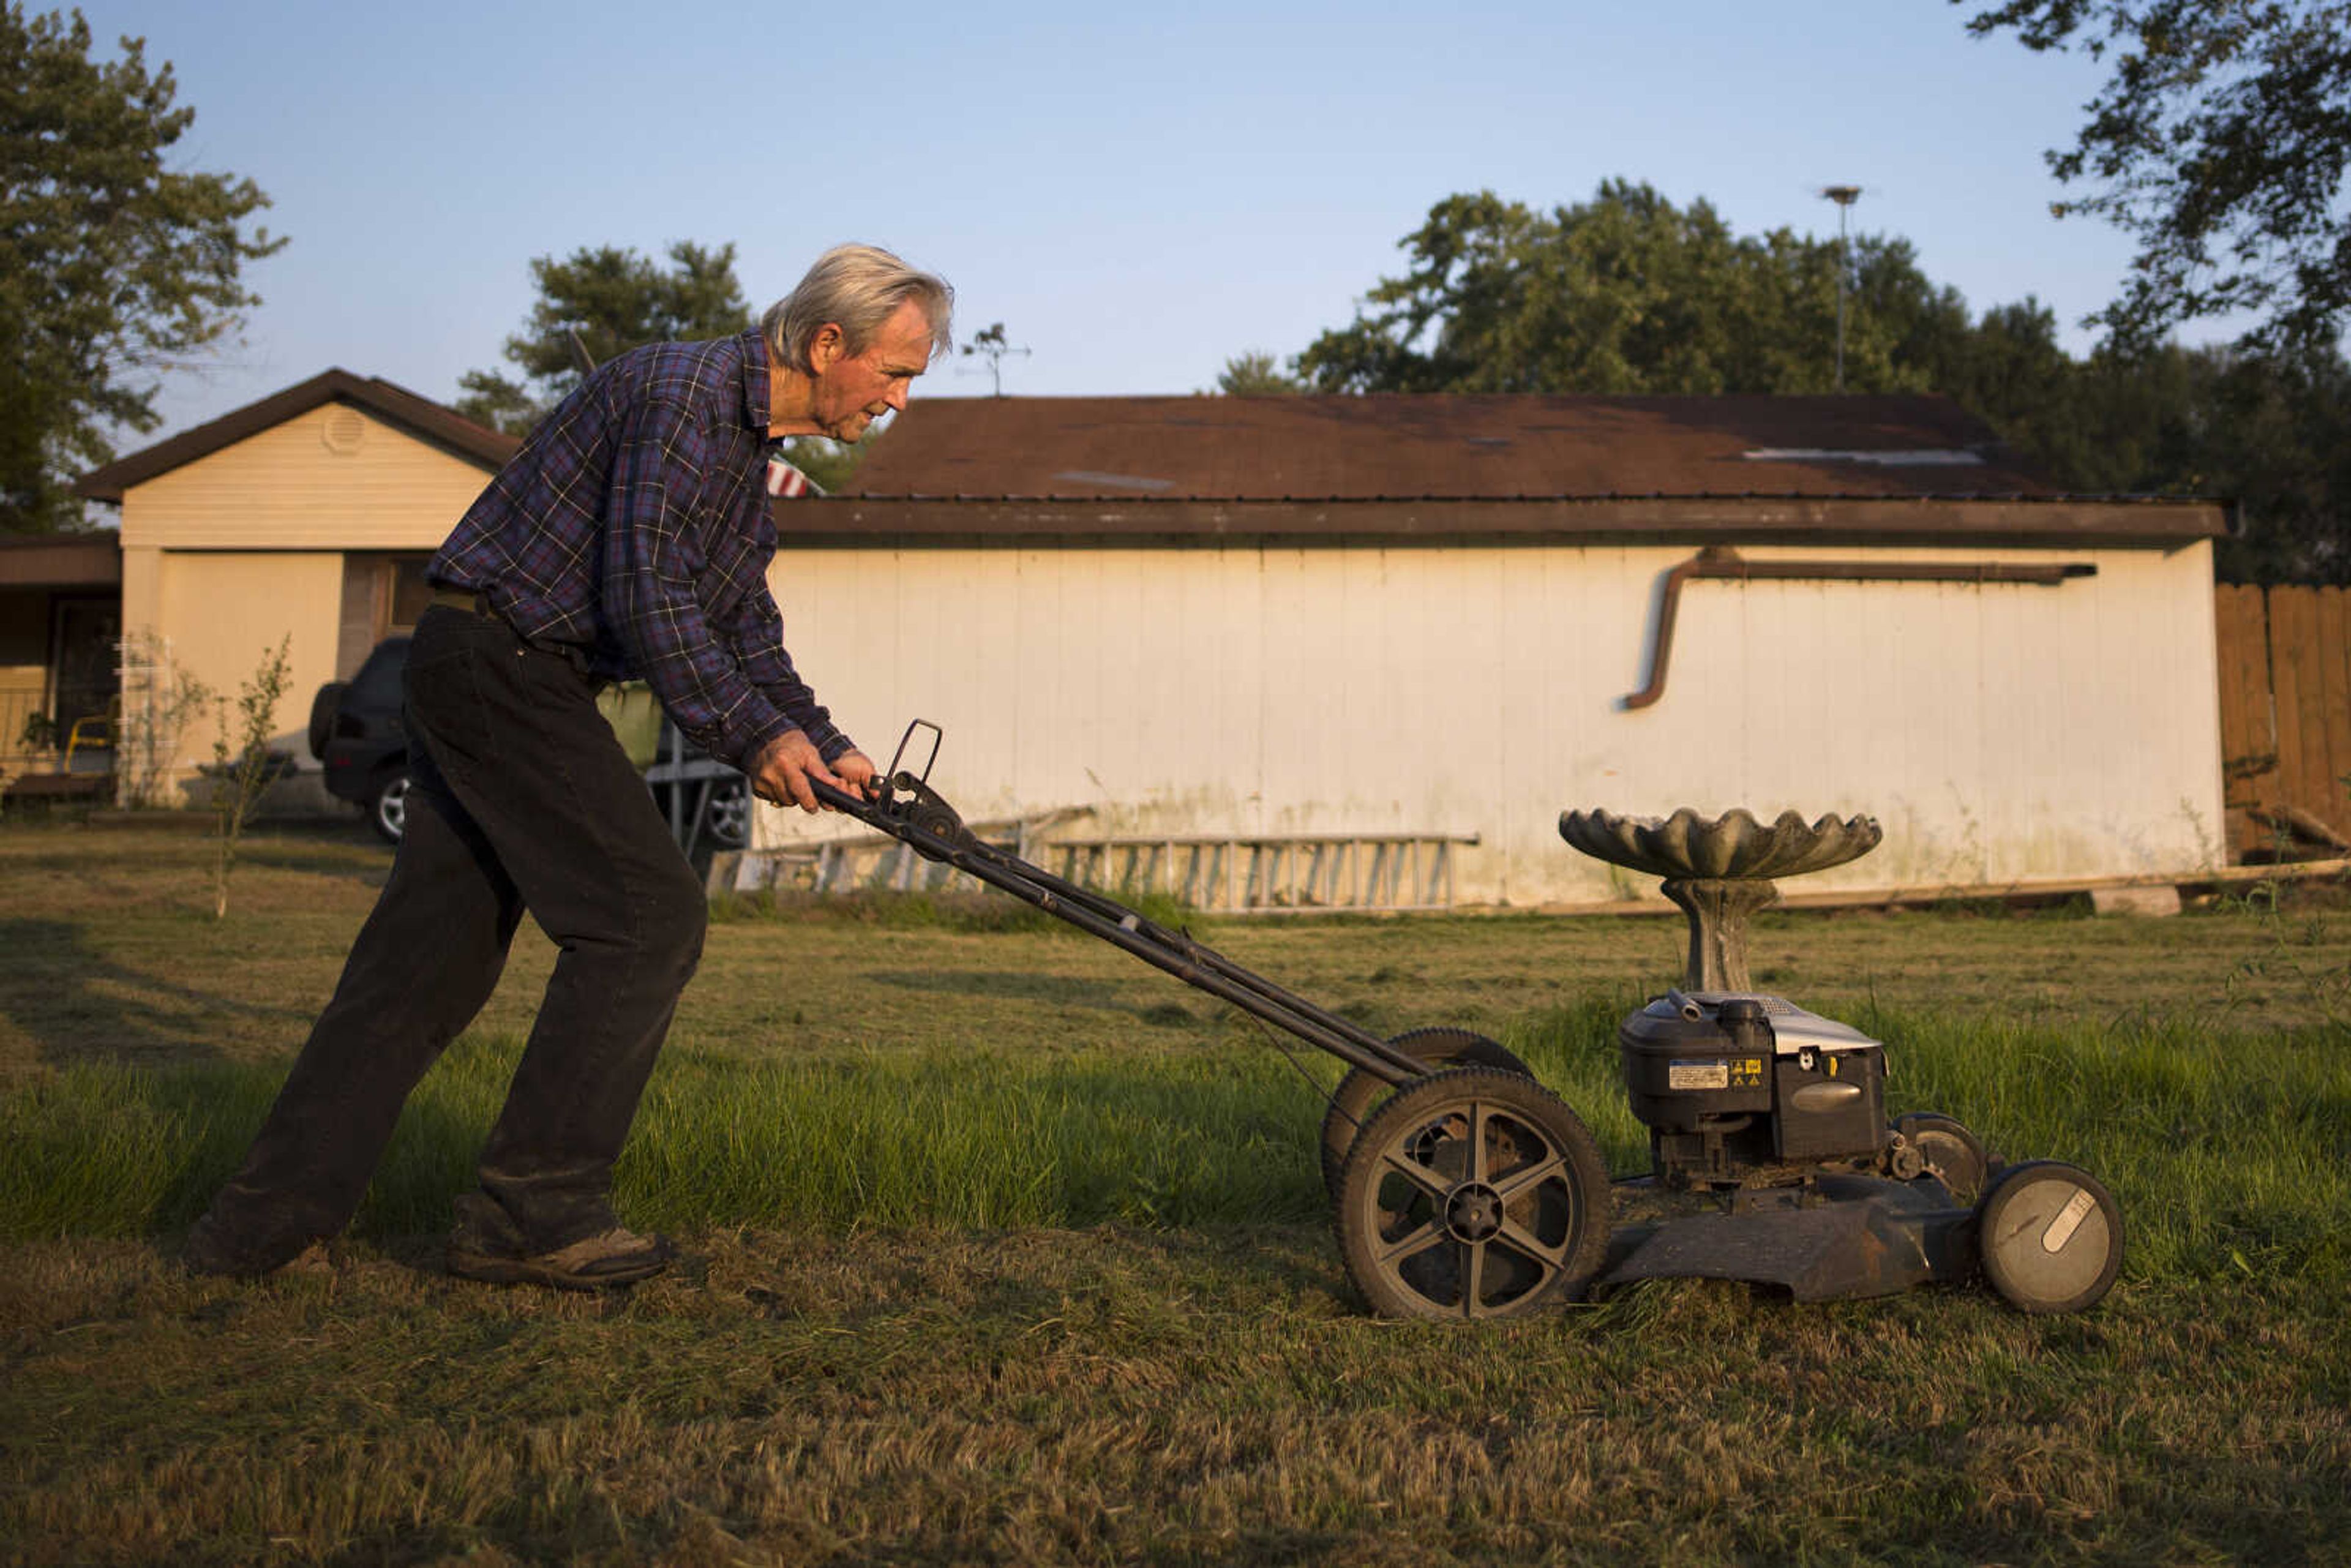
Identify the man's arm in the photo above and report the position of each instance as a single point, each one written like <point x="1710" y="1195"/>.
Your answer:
<point x="653" y="561"/>
<point x="814" y="747"/>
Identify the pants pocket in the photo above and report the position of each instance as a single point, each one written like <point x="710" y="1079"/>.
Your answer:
<point x="447" y="712"/>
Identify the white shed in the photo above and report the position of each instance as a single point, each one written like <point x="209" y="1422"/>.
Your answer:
<point x="1361" y="621"/>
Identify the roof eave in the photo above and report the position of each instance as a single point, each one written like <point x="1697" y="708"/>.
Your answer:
<point x="2059" y="522"/>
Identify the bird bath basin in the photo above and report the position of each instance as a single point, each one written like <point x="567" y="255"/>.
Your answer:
<point x="1720" y="870"/>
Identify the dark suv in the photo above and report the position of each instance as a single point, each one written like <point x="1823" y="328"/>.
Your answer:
<point x="355" y="731"/>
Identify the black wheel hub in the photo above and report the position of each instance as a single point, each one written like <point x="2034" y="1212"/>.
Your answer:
<point x="1473" y="1211"/>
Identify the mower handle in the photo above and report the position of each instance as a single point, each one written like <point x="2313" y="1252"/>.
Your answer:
<point x="943" y="838"/>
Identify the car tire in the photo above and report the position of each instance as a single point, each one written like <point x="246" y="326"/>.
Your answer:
<point x="388" y="808"/>
<point x="726" y="815"/>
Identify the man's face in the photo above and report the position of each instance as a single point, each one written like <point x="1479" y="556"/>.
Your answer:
<point x="852" y="391"/>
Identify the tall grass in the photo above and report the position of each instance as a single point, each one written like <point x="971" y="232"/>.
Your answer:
<point x="2230" y="1155"/>
<point x="930" y="1137"/>
<point x="2229" y="1152"/>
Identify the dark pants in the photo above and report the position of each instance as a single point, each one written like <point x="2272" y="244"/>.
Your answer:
<point x="522" y="800"/>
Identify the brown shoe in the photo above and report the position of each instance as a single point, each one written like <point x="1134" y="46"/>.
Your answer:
<point x="617" y="1257"/>
<point x="487" y="1244"/>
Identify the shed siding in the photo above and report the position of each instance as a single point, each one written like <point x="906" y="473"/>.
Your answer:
<point x="2000" y="732"/>
<point x="334" y="478"/>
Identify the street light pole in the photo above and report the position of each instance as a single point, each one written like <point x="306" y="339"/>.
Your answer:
<point x="1845" y="196"/>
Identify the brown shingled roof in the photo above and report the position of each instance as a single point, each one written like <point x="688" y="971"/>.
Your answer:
<point x="1450" y="448"/>
<point x="431" y="421"/>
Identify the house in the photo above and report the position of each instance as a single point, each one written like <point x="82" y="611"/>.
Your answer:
<point x="1322" y="621"/>
<point x="60" y="608"/>
<point x="307" y="516"/>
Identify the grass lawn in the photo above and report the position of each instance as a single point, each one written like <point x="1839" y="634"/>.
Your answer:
<point x="1008" y="1248"/>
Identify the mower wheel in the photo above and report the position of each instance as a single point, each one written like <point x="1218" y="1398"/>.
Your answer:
<point x="2051" y="1237"/>
<point x="1473" y="1193"/>
<point x="1954" y="1155"/>
<point x="1352" y="1101"/>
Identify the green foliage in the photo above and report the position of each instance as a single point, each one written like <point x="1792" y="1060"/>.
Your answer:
<point x="829" y="463"/>
<point x="114" y="268"/>
<point x="612" y="298"/>
<point x="1628" y="294"/>
<point x="160" y="694"/>
<point x="2263" y="429"/>
<point x="2220" y="139"/>
<point x="1257" y="374"/>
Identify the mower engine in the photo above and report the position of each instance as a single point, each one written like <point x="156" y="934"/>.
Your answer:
<point x="1739" y="1089"/>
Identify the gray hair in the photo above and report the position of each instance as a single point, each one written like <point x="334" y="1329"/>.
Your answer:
<point x="856" y="288"/>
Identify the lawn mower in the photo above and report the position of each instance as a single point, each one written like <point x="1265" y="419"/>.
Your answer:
<point x="1462" y="1187"/>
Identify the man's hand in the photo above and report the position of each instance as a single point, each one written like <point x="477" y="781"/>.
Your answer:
<point x="856" y="770"/>
<point x="781" y="772"/>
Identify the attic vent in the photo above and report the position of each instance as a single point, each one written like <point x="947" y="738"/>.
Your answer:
<point x="344" y="430"/>
<point x="1920" y="457"/>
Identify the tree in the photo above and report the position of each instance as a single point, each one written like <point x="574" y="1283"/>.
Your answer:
<point x="114" y="268"/>
<point x="1628" y="294"/>
<point x="2222" y="141"/>
<point x="1256" y="374"/>
<point x="243" y="763"/>
<point x="612" y="298"/>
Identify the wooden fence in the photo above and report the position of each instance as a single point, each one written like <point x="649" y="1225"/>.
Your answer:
<point x="2286" y="709"/>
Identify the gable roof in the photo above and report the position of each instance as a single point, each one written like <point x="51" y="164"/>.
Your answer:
<point x="436" y="424"/>
<point x="1451" y="448"/>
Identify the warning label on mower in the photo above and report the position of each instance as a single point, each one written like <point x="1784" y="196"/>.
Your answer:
<point x="1697" y="1076"/>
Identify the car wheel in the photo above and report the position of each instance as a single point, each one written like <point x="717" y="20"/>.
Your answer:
<point x="388" y="812"/>
<point x="726" y="815"/>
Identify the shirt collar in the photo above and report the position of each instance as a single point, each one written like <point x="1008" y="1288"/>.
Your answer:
<point x="754" y="379"/>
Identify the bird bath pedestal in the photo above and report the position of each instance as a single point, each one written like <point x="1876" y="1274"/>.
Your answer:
<point x="1720" y="871"/>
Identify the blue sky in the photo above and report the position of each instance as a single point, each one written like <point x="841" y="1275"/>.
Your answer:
<point x="1138" y="194"/>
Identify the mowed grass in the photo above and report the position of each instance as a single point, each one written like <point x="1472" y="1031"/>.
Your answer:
<point x="1008" y="1248"/>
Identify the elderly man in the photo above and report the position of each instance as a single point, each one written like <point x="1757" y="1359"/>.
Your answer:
<point x="630" y="535"/>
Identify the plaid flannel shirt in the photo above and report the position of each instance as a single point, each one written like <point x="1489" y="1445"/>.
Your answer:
<point x="633" y="527"/>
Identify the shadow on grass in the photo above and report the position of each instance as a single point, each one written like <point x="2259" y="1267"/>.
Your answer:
<point x="1059" y="990"/>
<point x="80" y="1005"/>
<point x="318" y="857"/>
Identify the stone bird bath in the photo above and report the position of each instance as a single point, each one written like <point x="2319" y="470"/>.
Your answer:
<point x="1720" y="871"/>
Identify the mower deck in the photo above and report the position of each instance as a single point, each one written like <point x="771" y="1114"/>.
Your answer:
<point x="1835" y="1236"/>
